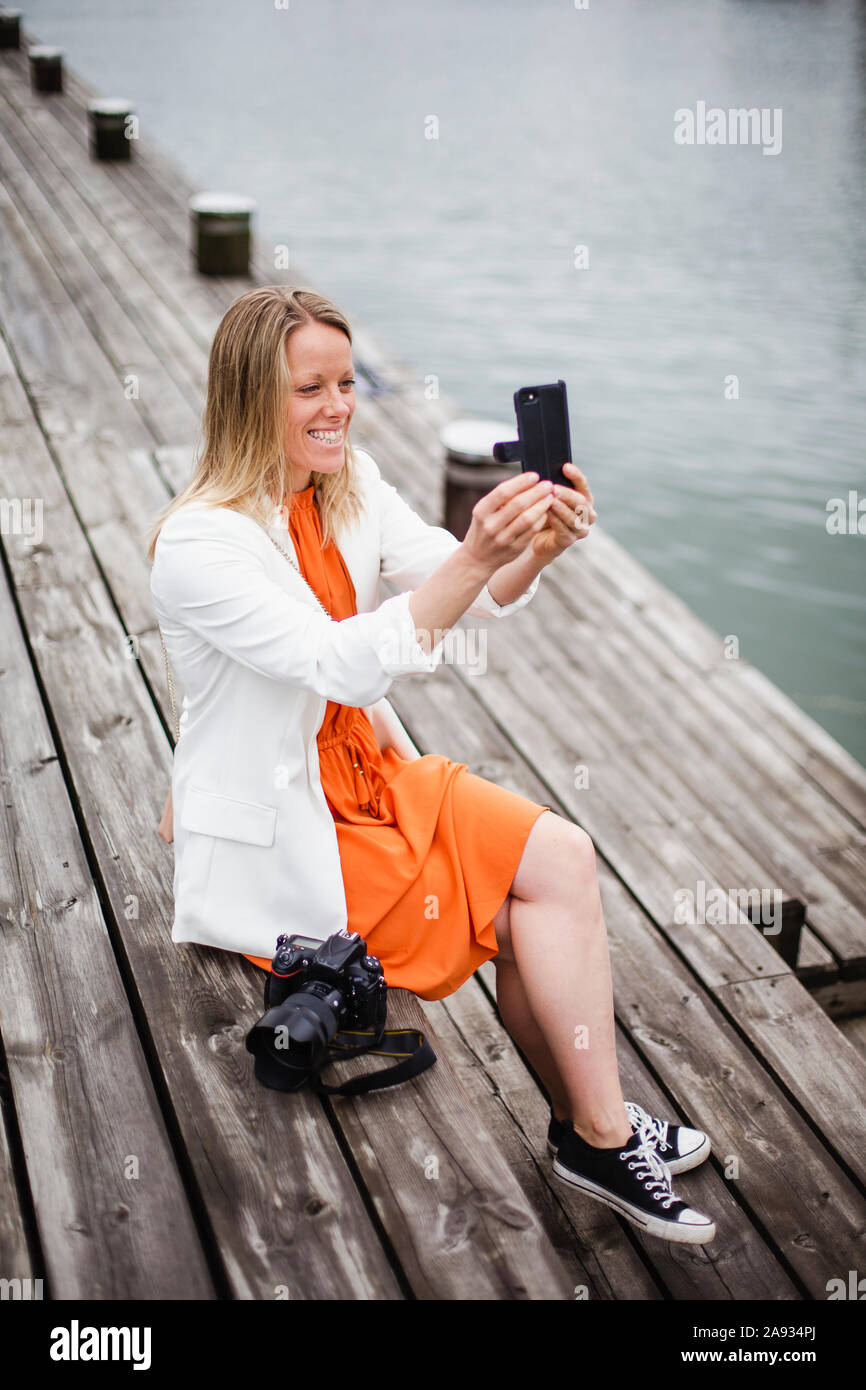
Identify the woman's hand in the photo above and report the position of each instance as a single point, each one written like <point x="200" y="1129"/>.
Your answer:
<point x="165" y="829"/>
<point x="568" y="519"/>
<point x="506" y="519"/>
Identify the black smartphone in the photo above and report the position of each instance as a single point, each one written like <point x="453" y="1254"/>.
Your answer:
<point x="543" y="431"/>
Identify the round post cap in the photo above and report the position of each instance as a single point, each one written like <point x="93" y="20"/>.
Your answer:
<point x="110" y="106"/>
<point x="472" y="441"/>
<point x="221" y="204"/>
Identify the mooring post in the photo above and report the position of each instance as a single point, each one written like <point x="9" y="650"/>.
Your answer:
<point x="10" y="28"/>
<point x="470" y="469"/>
<point x="108" y="117"/>
<point x="221" y="233"/>
<point x="46" y="68"/>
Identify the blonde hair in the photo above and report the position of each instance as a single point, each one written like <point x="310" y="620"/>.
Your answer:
<point x="244" y="462"/>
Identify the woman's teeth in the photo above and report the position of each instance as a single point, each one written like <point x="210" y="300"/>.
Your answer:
<point x="326" y="436"/>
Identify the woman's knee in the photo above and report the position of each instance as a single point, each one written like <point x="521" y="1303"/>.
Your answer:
<point x="558" y="854"/>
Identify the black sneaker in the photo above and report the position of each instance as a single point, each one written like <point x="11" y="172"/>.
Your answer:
<point x="635" y="1183"/>
<point x="678" y="1147"/>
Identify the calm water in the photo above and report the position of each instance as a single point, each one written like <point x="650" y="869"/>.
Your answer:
<point x="556" y="130"/>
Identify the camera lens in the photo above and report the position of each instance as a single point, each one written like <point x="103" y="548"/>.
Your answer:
<point x="292" y="1039"/>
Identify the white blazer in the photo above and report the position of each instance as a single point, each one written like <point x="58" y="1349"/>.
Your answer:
<point x="255" y="844"/>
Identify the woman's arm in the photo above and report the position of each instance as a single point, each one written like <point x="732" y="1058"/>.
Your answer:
<point x="513" y="580"/>
<point x="498" y="542"/>
<point x="412" y="552"/>
<point x="209" y="576"/>
<point x="441" y="600"/>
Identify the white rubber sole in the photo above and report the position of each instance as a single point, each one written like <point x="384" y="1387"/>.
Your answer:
<point x="653" y="1225"/>
<point x="678" y="1165"/>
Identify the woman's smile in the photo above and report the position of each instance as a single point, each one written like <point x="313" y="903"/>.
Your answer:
<point x="330" y="438"/>
<point x="322" y="401"/>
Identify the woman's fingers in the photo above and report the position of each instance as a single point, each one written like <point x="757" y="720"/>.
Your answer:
<point x="575" y="506"/>
<point x="527" y="518"/>
<point x="526" y="504"/>
<point x="522" y="510"/>
<point x="576" y="519"/>
<point x="526" y="501"/>
<point x="571" y="470"/>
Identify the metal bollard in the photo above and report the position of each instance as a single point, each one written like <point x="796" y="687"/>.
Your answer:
<point x="46" y="68"/>
<point x="107" y="117"/>
<point x="221" y="233"/>
<point x="10" y="28"/>
<point x="470" y="470"/>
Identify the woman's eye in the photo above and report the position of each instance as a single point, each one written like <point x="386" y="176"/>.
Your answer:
<point x="350" y="381"/>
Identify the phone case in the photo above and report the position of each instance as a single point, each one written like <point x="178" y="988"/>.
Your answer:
<point x="544" y="438"/>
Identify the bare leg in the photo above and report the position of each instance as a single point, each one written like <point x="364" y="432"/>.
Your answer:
<point x="554" y="986"/>
<point x="520" y="1021"/>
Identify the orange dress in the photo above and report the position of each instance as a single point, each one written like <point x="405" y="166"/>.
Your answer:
<point x="428" y="850"/>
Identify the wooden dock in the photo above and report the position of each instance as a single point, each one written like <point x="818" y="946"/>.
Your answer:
<point x="139" y="1159"/>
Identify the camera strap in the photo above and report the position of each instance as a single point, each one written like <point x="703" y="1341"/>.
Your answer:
<point x="413" y="1049"/>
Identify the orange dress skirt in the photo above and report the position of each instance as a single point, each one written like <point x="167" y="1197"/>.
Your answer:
<point x="428" y="850"/>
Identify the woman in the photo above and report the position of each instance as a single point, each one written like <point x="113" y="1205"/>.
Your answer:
<point x="298" y="802"/>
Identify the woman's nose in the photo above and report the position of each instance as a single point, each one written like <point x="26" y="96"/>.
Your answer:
<point x="337" y="406"/>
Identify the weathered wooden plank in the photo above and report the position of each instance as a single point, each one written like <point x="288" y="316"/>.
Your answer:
<point x="456" y="1215"/>
<point x="16" y="1261"/>
<point x="107" y="448"/>
<point x="804" y="1043"/>
<point x="755" y="697"/>
<point x="598" y="1254"/>
<point x="125" y="252"/>
<point x="845" y="863"/>
<point x="92" y="267"/>
<point x="854" y="1030"/>
<point x="815" y="963"/>
<point x="112" y="1214"/>
<point x="841" y="998"/>
<point x="716" y="753"/>
<point x="776" y="1165"/>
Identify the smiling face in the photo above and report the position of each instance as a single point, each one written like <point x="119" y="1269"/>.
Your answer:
<point x="321" y="403"/>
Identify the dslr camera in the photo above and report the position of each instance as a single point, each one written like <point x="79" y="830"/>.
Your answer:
<point x="316" y="989"/>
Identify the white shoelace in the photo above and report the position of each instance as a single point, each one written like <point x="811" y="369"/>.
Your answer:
<point x="640" y="1119"/>
<point x="651" y="1171"/>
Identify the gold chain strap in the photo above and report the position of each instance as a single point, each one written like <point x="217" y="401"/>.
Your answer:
<point x="296" y="567"/>
<point x="170" y="684"/>
<point x="168" y="675"/>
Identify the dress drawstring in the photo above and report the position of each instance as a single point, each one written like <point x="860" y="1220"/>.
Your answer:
<point x="364" y="774"/>
<point x="366" y="777"/>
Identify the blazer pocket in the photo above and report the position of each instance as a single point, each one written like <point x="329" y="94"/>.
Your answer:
<point x="210" y="813"/>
